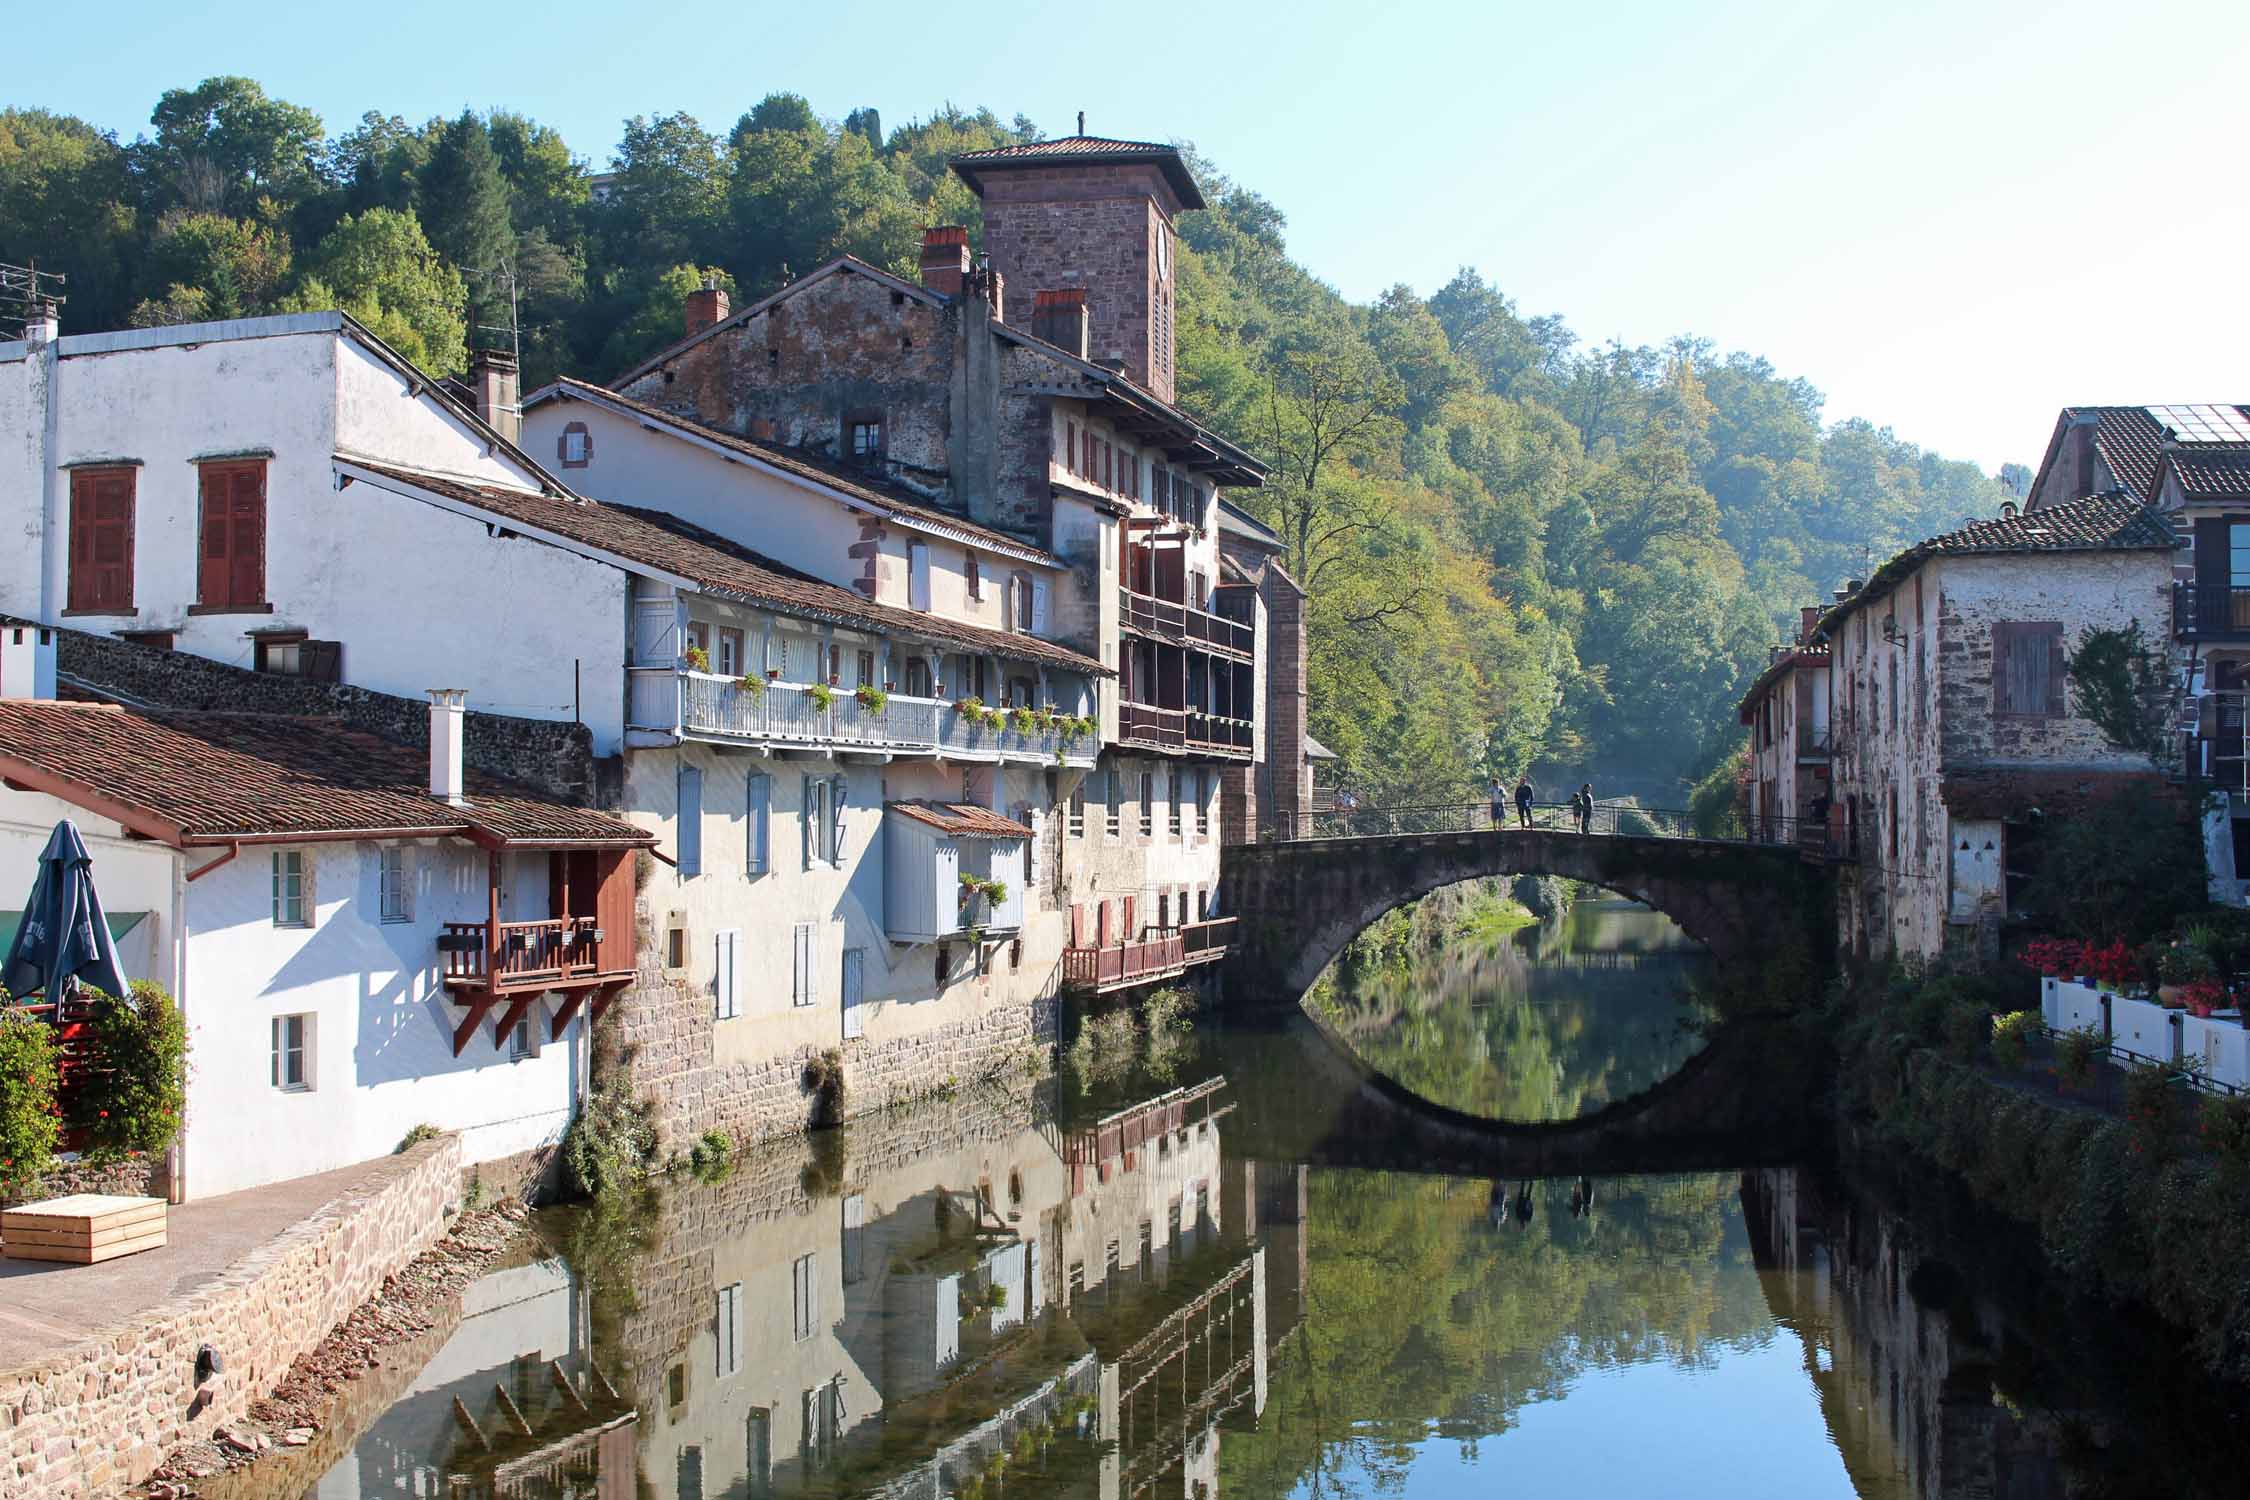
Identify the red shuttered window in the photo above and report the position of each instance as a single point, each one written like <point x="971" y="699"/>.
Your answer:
<point x="101" y="540"/>
<point x="233" y="546"/>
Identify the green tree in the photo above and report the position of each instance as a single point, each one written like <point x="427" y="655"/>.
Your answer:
<point x="222" y="145"/>
<point x="380" y="268"/>
<point x="210" y="267"/>
<point x="462" y="201"/>
<point x="67" y="202"/>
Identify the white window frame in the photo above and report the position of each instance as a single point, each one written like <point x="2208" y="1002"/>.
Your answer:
<point x="394" y="881"/>
<point x="283" y="876"/>
<point x="804" y="980"/>
<point x="303" y="1024"/>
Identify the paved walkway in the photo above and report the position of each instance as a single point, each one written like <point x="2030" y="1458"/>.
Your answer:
<point x="46" y="1306"/>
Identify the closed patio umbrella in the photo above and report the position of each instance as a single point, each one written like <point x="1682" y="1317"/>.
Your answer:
<point x="63" y="935"/>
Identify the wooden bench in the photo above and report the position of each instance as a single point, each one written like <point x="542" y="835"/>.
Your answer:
<point x="82" y="1229"/>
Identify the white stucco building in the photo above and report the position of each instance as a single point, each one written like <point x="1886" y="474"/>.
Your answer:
<point x="355" y="950"/>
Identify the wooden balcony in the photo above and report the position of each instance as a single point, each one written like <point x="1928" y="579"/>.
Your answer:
<point x="2210" y="612"/>
<point x="1130" y="1129"/>
<point x="703" y="706"/>
<point x="1184" y="731"/>
<point x="1160" y="953"/>
<point x="1181" y="624"/>
<point x="501" y="966"/>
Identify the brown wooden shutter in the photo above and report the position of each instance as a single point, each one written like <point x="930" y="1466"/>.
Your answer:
<point x="615" y="911"/>
<point x="101" y="540"/>
<point x="321" y="661"/>
<point x="233" y="569"/>
<point x="2027" y="669"/>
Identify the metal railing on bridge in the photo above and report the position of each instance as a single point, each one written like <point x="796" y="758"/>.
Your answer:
<point x="1809" y="836"/>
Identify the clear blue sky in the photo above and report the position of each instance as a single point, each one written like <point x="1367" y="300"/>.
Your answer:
<point x="1953" y="218"/>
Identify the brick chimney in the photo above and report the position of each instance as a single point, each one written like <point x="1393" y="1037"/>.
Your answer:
<point x="945" y="258"/>
<point x="1059" y="317"/>
<point x="492" y="375"/>
<point x="1808" y="618"/>
<point x="706" y="305"/>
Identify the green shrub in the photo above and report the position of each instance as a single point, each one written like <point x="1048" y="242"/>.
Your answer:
<point x="710" y="1157"/>
<point x="824" y="1080"/>
<point x="2075" y="1051"/>
<point x="2011" y="1036"/>
<point x="28" y="1127"/>
<point x="416" y="1136"/>
<point x="2226" y="1128"/>
<point x="133" y="1099"/>
<point x="1168" y="1010"/>
<point x="2151" y="1113"/>
<point x="609" y="1146"/>
<point x="1967" y="1026"/>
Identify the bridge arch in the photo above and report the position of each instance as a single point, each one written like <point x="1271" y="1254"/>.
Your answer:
<point x="1298" y="903"/>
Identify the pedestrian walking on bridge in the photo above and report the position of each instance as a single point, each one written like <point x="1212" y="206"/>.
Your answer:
<point x="1523" y="800"/>
<point x="1584" y="802"/>
<point x="1499" y="804"/>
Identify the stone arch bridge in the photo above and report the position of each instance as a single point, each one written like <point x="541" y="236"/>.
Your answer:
<point x="1298" y="901"/>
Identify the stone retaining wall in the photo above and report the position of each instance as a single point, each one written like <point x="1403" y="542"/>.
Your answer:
<point x="667" y="1032"/>
<point x="98" y="1416"/>
<point x="146" y="1175"/>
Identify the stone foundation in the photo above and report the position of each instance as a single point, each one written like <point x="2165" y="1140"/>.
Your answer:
<point x="98" y="1416"/>
<point x="534" y="1177"/>
<point x="666" y="1034"/>
<point x="147" y="1176"/>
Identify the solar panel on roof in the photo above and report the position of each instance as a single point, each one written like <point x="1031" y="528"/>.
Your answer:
<point x="2204" y="423"/>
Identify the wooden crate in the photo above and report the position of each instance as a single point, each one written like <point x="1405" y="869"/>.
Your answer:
<point x="82" y="1229"/>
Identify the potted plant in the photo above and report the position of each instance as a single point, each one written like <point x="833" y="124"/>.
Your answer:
<point x="749" y="686"/>
<point x="2180" y="966"/>
<point x="1021" y="719"/>
<point x="773" y="674"/>
<point x="697" y="659"/>
<point x="2201" y="997"/>
<point x="823" y="696"/>
<point x="871" y="697"/>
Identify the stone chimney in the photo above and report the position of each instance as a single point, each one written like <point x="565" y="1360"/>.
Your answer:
<point x="945" y="258"/>
<point x="448" y="721"/>
<point x="706" y="306"/>
<point x="492" y="375"/>
<point x="1059" y="317"/>
<point x="27" y="662"/>
<point x="1808" y="620"/>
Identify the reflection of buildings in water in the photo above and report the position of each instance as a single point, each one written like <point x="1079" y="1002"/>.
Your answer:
<point x="1899" y="1358"/>
<point x="511" y="1407"/>
<point x="977" y="1290"/>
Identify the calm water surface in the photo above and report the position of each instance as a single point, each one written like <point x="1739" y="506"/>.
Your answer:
<point x="1092" y="1289"/>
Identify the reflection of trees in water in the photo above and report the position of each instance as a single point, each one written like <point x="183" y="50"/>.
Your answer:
<point x="1421" y="1316"/>
<point x="1548" y="1023"/>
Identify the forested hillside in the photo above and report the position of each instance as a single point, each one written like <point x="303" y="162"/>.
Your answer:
<point x="1525" y="550"/>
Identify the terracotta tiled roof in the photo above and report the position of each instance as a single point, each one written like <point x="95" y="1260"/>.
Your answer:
<point x="2115" y="522"/>
<point x="209" y="777"/>
<point x="1074" y="150"/>
<point x="1783" y="663"/>
<point x="962" y="819"/>
<point x="857" y="483"/>
<point x="662" y="541"/>
<point x="2132" y="444"/>
<point x="2212" y="472"/>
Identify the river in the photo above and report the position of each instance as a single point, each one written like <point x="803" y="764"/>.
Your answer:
<point x="1088" y="1287"/>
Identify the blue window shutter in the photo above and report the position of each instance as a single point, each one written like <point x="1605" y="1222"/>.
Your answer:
<point x="691" y="821"/>
<point x="805" y="823"/>
<point x="760" y="802"/>
<point x="836" y="799"/>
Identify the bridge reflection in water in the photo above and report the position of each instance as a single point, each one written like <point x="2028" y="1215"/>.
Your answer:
<point x="988" y="1297"/>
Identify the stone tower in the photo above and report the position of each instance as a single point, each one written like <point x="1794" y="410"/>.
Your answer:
<point x="1085" y="213"/>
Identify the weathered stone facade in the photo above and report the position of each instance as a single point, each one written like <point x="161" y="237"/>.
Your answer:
<point x="97" y="1417"/>
<point x="141" y="1175"/>
<point x="554" y="756"/>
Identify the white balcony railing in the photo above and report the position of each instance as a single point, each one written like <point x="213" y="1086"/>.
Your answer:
<point x="702" y="704"/>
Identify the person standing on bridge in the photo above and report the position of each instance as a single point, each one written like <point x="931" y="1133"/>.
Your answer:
<point x="1523" y="800"/>
<point x="1585" y="804"/>
<point x="1499" y="804"/>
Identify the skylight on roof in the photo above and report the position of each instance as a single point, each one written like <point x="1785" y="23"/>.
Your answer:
<point x="2204" y="423"/>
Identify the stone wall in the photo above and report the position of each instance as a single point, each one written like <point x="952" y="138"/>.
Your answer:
<point x="550" y="755"/>
<point x="98" y="1416"/>
<point x="663" y="1028"/>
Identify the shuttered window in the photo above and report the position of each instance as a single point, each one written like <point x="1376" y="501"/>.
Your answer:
<point x="101" y="540"/>
<point x="727" y="975"/>
<point x="918" y="575"/>
<point x="804" y="1299"/>
<point x="232" y="571"/>
<point x="802" y="971"/>
<point x="691" y="821"/>
<point x="2027" y="669"/>
<point x="727" y="1314"/>
<point x="758" y="856"/>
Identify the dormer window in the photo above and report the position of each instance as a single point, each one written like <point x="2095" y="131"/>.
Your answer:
<point x="863" y="437"/>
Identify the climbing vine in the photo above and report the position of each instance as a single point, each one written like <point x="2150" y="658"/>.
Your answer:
<point x="2121" y="681"/>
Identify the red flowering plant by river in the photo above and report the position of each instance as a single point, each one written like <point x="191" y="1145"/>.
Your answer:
<point x="2116" y="967"/>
